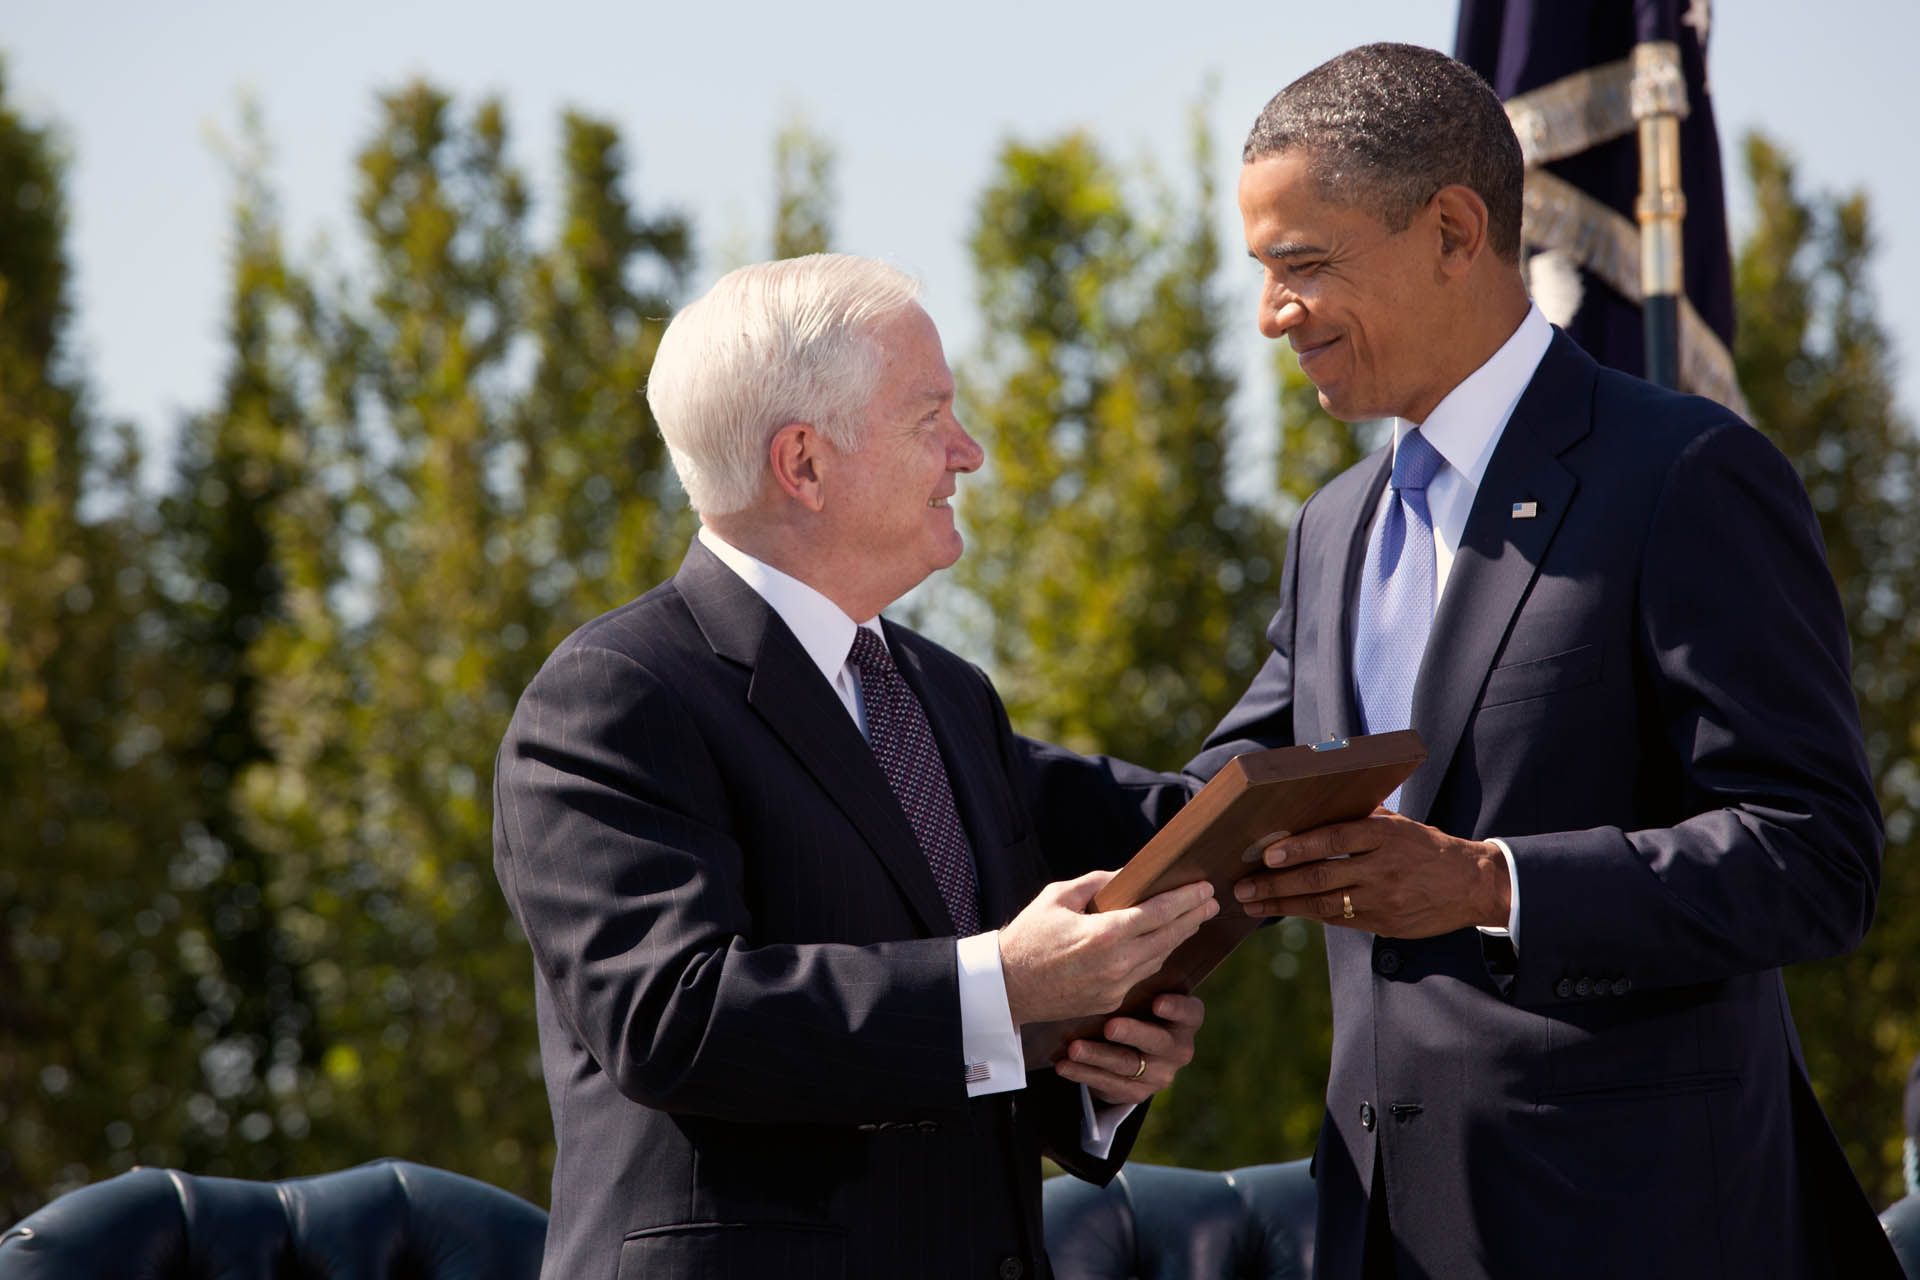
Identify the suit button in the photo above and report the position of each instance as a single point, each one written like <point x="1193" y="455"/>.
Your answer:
<point x="1621" y="986"/>
<point x="1012" y="1269"/>
<point x="1366" y="1116"/>
<point x="1584" y="987"/>
<point x="1387" y="962"/>
<point x="1565" y="989"/>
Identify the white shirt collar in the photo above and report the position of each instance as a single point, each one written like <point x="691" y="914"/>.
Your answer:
<point x="821" y="626"/>
<point x="1466" y="425"/>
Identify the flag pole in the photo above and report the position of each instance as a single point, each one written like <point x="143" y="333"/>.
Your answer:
<point x="1661" y="207"/>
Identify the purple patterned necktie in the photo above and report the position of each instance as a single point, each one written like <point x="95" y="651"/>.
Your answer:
<point x="1396" y="595"/>
<point x="903" y="743"/>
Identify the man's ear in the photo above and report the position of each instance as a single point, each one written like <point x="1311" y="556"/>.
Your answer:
<point x="1462" y="224"/>
<point x="795" y="455"/>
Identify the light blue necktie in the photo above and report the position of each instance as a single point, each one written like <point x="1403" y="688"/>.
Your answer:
<point x="1396" y="595"/>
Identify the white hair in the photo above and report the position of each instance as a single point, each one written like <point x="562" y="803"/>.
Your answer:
<point x="770" y="344"/>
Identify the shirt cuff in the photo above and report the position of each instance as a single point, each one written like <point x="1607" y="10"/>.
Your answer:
<point x="1100" y="1122"/>
<point x="1512" y="932"/>
<point x="988" y="1038"/>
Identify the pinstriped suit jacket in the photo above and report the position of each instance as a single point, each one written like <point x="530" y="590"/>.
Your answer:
<point x="745" y="976"/>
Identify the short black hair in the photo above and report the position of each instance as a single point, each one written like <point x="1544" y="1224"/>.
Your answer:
<point x="1387" y="125"/>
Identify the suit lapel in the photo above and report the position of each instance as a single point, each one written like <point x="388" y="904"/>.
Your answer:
<point x="788" y="692"/>
<point x="1499" y="557"/>
<point x="968" y="756"/>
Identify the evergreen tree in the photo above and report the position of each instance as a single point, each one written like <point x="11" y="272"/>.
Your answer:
<point x="241" y="467"/>
<point x="93" y="1075"/>
<point x="1256" y="1091"/>
<point x="383" y="698"/>
<point x="803" y="164"/>
<point x="1816" y="367"/>
<point x="503" y="483"/>
<point x="601" y="515"/>
<point x="1124" y="583"/>
<point x="1128" y="589"/>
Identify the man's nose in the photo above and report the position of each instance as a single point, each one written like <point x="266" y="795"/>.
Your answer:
<point x="1279" y="313"/>
<point x="963" y="451"/>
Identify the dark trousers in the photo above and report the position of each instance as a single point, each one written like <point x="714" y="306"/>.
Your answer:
<point x="1377" y="1262"/>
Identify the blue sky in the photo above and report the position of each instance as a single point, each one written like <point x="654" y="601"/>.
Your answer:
<point x="916" y="98"/>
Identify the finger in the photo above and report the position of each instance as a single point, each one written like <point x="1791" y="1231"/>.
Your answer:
<point x="1310" y="906"/>
<point x="1339" y="840"/>
<point x="1326" y="876"/>
<point x="1263" y="888"/>
<point x="1328" y="907"/>
<point x="1179" y="1010"/>
<point x="1147" y="955"/>
<point x="1123" y="1062"/>
<point x="1274" y="842"/>
<point x="1156" y="944"/>
<point x="1164" y="908"/>
<point x="1160" y="1045"/>
<point x="1149" y="1039"/>
<point x="1117" y="1086"/>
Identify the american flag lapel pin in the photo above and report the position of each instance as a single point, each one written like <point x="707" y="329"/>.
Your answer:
<point x="1525" y="510"/>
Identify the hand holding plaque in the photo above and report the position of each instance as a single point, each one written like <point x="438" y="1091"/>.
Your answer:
<point x="1218" y="837"/>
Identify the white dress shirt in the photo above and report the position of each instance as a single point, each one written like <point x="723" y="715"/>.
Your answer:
<point x="990" y="1043"/>
<point x="1464" y="428"/>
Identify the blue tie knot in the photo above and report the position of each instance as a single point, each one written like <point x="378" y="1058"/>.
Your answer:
<point x="1415" y="461"/>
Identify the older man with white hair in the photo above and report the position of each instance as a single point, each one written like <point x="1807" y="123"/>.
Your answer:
<point x="760" y="841"/>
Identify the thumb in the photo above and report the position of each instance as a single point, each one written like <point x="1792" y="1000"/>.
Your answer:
<point x="1077" y="894"/>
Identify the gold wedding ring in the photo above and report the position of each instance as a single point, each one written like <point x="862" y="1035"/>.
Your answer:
<point x="1143" y="1067"/>
<point x="1346" y="906"/>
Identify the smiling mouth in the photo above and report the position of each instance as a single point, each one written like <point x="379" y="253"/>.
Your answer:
<point x="1309" y="355"/>
<point x="937" y="502"/>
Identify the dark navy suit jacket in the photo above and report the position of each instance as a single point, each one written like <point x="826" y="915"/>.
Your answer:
<point x="1642" y="687"/>
<point x="748" y="1007"/>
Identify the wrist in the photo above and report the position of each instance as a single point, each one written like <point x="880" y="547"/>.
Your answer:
<point x="1497" y="890"/>
<point x="1012" y="977"/>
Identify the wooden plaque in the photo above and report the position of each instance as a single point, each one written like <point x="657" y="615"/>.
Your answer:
<point x="1219" y="837"/>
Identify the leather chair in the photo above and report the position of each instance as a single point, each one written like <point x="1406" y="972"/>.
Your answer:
<point x="1159" y="1223"/>
<point x="1902" y="1221"/>
<point x="388" y="1220"/>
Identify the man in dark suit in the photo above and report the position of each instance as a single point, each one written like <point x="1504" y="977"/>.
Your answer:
<point x="783" y="865"/>
<point x="1561" y="1042"/>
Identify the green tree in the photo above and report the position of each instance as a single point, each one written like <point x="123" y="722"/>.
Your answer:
<point x="92" y="1072"/>
<point x="499" y="481"/>
<point x="1126" y="585"/>
<point x="374" y="805"/>
<point x="803" y="165"/>
<point x="1129" y="588"/>
<point x="1816" y="367"/>
<point x="600" y="514"/>
<point x="1264" y="1099"/>
<point x="239" y="468"/>
<point x="1314" y="446"/>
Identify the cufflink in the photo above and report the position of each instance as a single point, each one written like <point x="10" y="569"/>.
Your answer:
<point x="978" y="1072"/>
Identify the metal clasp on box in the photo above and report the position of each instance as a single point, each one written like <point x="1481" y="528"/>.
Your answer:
<point x="1331" y="744"/>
